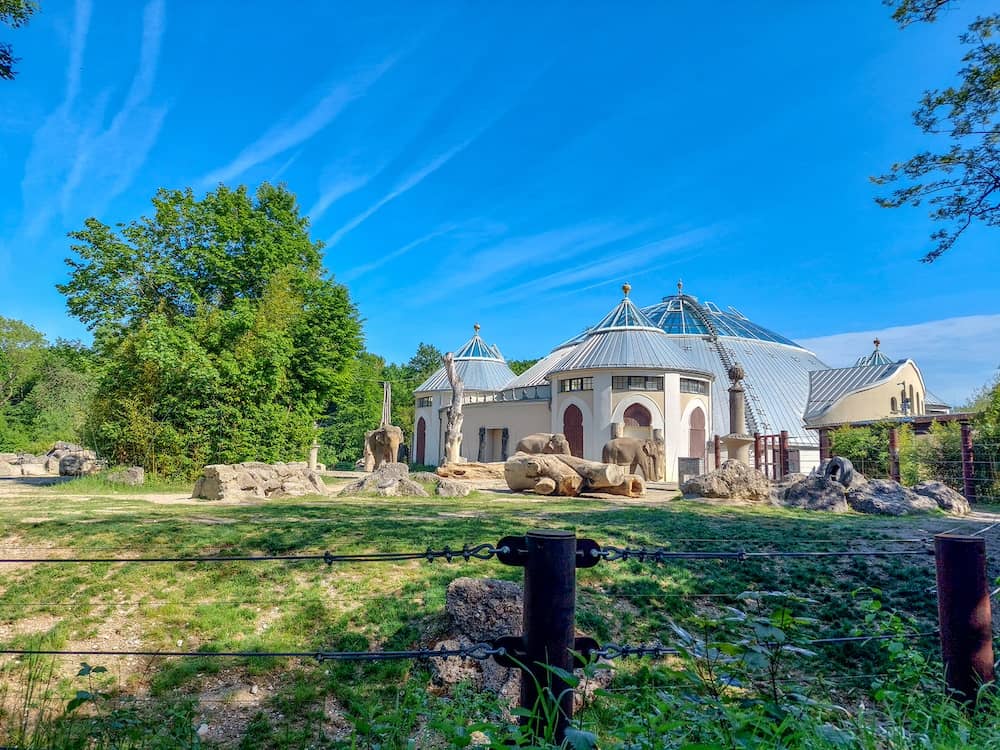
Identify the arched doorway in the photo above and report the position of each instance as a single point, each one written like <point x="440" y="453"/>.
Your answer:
<point x="696" y="442"/>
<point x="421" y="441"/>
<point x="573" y="429"/>
<point x="638" y="422"/>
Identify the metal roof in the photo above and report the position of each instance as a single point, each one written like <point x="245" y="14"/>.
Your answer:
<point x="776" y="381"/>
<point x="535" y="375"/>
<point x="684" y="315"/>
<point x="636" y="348"/>
<point x="826" y="387"/>
<point x="480" y="366"/>
<point x="625" y="316"/>
<point x="877" y="357"/>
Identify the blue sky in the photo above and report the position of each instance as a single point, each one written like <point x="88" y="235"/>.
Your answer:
<point x="512" y="164"/>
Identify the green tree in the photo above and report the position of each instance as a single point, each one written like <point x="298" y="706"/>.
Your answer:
<point x="357" y="409"/>
<point x="22" y="349"/>
<point x="518" y="366"/>
<point x="13" y="13"/>
<point x="405" y="378"/>
<point x="959" y="176"/>
<point x="221" y="336"/>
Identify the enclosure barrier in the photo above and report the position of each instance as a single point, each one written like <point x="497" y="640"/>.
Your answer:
<point x="547" y="650"/>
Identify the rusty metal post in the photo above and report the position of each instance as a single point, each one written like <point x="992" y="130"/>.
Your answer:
<point x="717" y="446"/>
<point x="758" y="448"/>
<point x="968" y="464"/>
<point x="893" y="455"/>
<point x="549" y="630"/>
<point x="964" y="614"/>
<point x="783" y="454"/>
<point x="824" y="444"/>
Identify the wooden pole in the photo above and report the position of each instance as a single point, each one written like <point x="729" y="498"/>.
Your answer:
<point x="964" y="614"/>
<point x="549" y="625"/>
<point x="824" y="444"/>
<point x="782" y="454"/>
<point x="717" y="446"/>
<point x="758" y="449"/>
<point x="968" y="464"/>
<point x="893" y="455"/>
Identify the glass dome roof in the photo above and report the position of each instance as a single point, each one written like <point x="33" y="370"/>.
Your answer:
<point x="682" y="314"/>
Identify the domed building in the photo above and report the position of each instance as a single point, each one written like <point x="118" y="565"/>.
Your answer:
<point x="661" y="373"/>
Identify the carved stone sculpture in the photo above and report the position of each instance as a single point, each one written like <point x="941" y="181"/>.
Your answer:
<point x="384" y="444"/>
<point x="544" y="442"/>
<point x="632" y="452"/>
<point x="453" y="428"/>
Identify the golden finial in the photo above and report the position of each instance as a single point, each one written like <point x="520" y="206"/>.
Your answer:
<point x="877" y="342"/>
<point x="626" y="287"/>
<point x="680" y="286"/>
<point x="476" y="327"/>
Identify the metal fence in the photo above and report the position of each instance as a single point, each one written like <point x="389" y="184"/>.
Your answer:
<point x="548" y="650"/>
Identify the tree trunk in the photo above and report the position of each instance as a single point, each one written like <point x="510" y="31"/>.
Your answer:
<point x="523" y="472"/>
<point x="453" y="428"/>
<point x="596" y="474"/>
<point x="633" y="486"/>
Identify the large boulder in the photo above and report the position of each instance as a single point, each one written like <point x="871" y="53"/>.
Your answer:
<point x="256" y="480"/>
<point x="79" y="464"/>
<point x="482" y="609"/>
<point x="733" y="480"/>
<point x="885" y="497"/>
<point x="9" y="470"/>
<point x="451" y="488"/>
<point x="34" y="469"/>
<point x="815" y="493"/>
<point x="388" y="480"/>
<point x="947" y="499"/>
<point x="133" y="476"/>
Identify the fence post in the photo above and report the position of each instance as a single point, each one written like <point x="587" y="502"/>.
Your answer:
<point x="968" y="464"/>
<point x="782" y="454"/>
<point x="757" y="450"/>
<point x="824" y="444"/>
<point x="964" y="614"/>
<point x="549" y="629"/>
<point x="893" y="455"/>
<point x="717" y="445"/>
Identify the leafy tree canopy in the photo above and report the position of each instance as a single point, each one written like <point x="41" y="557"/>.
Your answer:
<point x="220" y="335"/>
<point x="518" y="366"/>
<point x="959" y="177"/>
<point x="13" y="13"/>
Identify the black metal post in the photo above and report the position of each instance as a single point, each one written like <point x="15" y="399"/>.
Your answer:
<point x="964" y="614"/>
<point x="549" y="625"/>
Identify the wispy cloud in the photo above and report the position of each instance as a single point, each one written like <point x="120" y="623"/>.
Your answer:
<point x="72" y="145"/>
<point x="403" y="186"/>
<point x="291" y="132"/>
<point x="955" y="355"/>
<point x="344" y="184"/>
<point x="358" y="271"/>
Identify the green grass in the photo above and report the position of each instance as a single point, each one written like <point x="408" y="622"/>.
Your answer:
<point x="309" y="606"/>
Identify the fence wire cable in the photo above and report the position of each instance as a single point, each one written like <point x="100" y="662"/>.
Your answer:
<point x="659" y="555"/>
<point x="467" y="553"/>
<point x="477" y="651"/>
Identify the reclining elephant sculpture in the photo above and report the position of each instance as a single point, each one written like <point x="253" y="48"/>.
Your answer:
<point x="544" y="442"/>
<point x="632" y="452"/>
<point x="384" y="444"/>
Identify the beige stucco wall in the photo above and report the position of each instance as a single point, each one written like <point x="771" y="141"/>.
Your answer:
<point x="875" y="401"/>
<point x="521" y="418"/>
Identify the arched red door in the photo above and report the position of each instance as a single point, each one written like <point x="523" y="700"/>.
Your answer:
<point x="696" y="447"/>
<point x="421" y="441"/>
<point x="638" y="415"/>
<point x="573" y="429"/>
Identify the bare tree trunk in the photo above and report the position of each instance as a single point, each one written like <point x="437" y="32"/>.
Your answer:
<point x="453" y="428"/>
<point x="523" y="472"/>
<point x="596" y="474"/>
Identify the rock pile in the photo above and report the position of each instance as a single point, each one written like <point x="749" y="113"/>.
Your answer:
<point x="254" y="480"/>
<point x="885" y="497"/>
<point x="946" y="498"/>
<point x="63" y="459"/>
<point x="481" y="610"/>
<point x="734" y="480"/>
<point x="133" y="476"/>
<point x="388" y="480"/>
<point x="813" y="493"/>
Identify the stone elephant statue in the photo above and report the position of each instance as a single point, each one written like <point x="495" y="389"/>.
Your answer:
<point x="543" y="442"/>
<point x="632" y="452"/>
<point x="384" y="444"/>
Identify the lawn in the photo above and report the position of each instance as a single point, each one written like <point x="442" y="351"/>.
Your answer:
<point x="310" y="606"/>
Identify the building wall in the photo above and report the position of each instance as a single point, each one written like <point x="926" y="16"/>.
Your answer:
<point x="521" y="418"/>
<point x="875" y="402"/>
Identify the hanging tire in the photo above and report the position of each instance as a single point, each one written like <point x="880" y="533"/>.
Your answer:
<point x="840" y="470"/>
